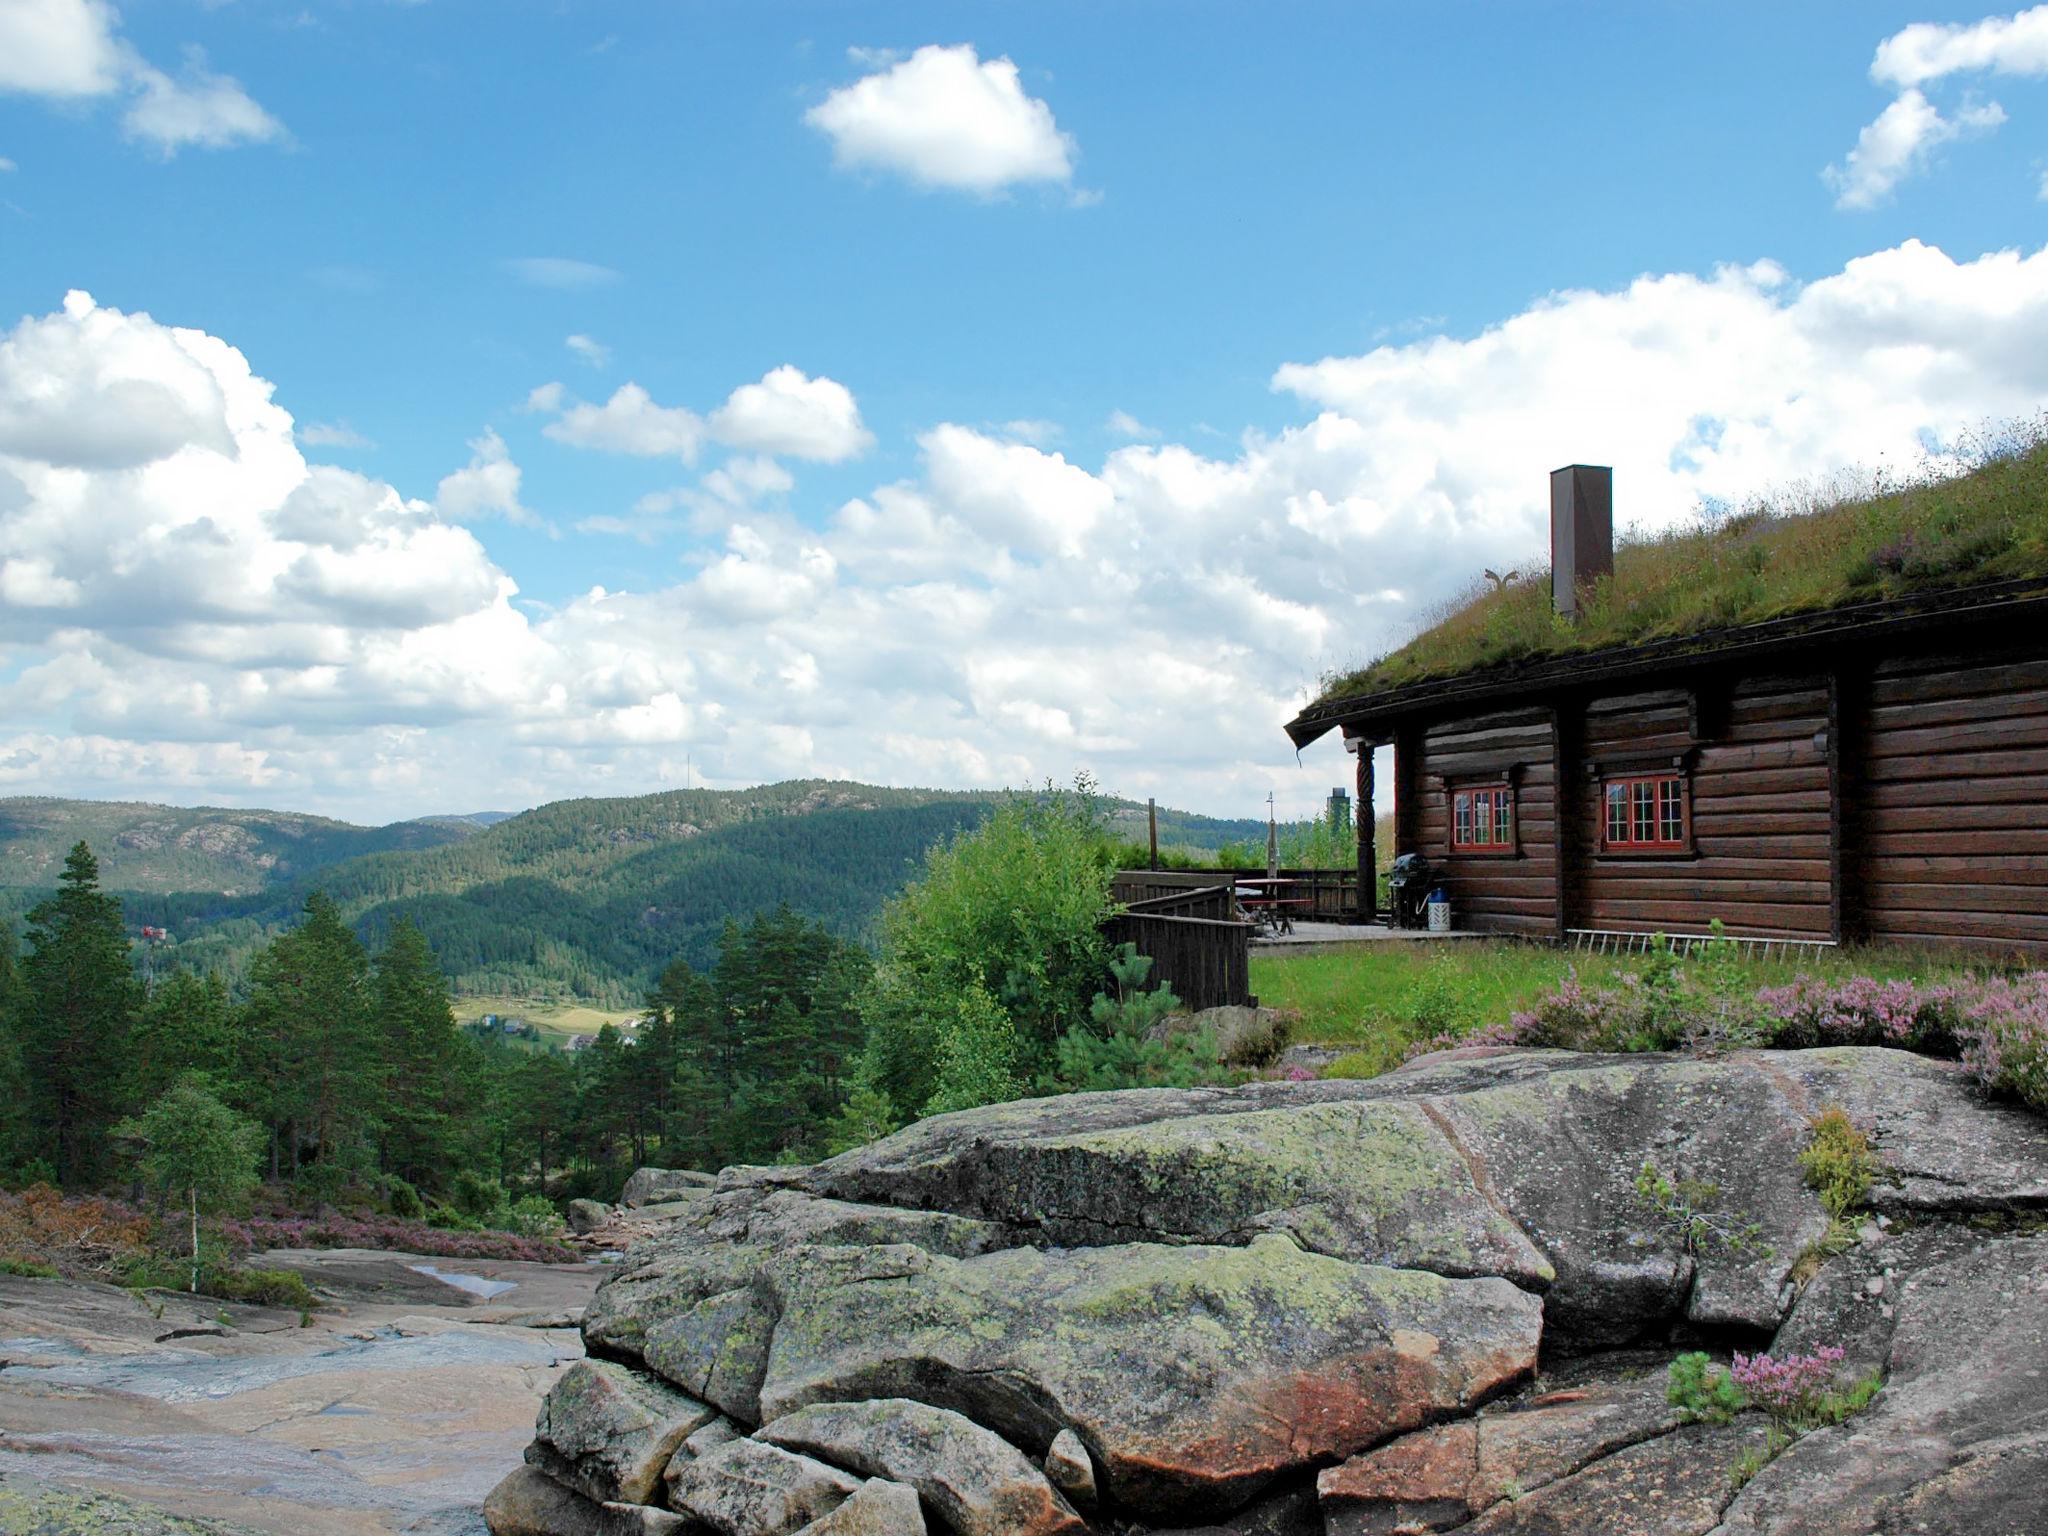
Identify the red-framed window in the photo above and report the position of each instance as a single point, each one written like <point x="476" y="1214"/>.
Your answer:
<point x="1483" y="819"/>
<point x="1646" y="813"/>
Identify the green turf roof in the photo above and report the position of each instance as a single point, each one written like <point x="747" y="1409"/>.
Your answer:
<point x="1774" y="558"/>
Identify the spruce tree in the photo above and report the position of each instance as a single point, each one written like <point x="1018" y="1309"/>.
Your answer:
<point x="82" y="998"/>
<point x="309" y="1059"/>
<point x="418" y="1051"/>
<point x="187" y="1026"/>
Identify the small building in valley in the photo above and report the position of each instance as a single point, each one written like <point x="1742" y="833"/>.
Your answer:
<point x="1830" y="726"/>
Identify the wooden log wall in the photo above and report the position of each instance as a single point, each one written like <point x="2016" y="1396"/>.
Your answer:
<point x="1954" y="819"/>
<point x="1498" y="893"/>
<point x="1901" y="800"/>
<point x="1760" y="811"/>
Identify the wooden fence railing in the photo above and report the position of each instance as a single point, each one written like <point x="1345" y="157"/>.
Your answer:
<point x="1327" y="895"/>
<point x="1206" y="962"/>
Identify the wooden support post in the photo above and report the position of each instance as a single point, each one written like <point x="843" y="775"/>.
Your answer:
<point x="1152" y="827"/>
<point x="1368" y="856"/>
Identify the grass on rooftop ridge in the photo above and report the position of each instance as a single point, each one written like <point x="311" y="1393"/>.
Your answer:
<point x="1978" y="513"/>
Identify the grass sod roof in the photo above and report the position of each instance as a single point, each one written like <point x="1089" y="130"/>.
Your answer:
<point x="1862" y="539"/>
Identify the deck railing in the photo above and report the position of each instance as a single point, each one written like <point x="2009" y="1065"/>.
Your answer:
<point x="1197" y="944"/>
<point x="1323" y="895"/>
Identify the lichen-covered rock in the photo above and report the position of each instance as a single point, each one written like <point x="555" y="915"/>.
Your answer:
<point x="650" y="1186"/>
<point x="530" y="1503"/>
<point x="608" y="1432"/>
<point x="877" y="1508"/>
<point x="1195" y="1374"/>
<point x="720" y="1431"/>
<point x="749" y="1488"/>
<point x="1674" y="1485"/>
<point x="1219" y="1292"/>
<point x="719" y="1249"/>
<point x="1242" y="1036"/>
<point x="1959" y="1435"/>
<point x="1438" y="1478"/>
<point x="976" y="1482"/>
<point x="586" y="1216"/>
<point x="1069" y="1468"/>
<point x="1375" y="1182"/>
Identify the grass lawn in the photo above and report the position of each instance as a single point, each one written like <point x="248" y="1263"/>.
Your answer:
<point x="1381" y="998"/>
<point x="557" y="1021"/>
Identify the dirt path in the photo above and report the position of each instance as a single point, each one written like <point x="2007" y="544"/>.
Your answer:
<point x="394" y="1411"/>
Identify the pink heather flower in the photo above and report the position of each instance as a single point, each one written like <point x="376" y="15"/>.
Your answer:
<point x="1788" y="1387"/>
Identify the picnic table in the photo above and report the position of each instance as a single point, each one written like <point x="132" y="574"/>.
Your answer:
<point x="1264" y="903"/>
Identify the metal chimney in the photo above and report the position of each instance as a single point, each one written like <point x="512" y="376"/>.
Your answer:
<point x="1581" y="532"/>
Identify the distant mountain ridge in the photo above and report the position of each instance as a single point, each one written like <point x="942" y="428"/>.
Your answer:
<point x="163" y="848"/>
<point x="582" y="899"/>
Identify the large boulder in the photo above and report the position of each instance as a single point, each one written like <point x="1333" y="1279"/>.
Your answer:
<point x="1958" y="1438"/>
<point x="1195" y="1374"/>
<point x="1199" y="1300"/>
<point x="749" y="1488"/>
<point x="974" y="1480"/>
<point x="1243" y="1036"/>
<point x="528" y="1502"/>
<point x="1439" y="1478"/>
<point x="608" y="1432"/>
<point x="877" y="1508"/>
<point x="652" y="1186"/>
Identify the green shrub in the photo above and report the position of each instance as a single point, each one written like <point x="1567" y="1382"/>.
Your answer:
<point x="403" y="1201"/>
<point x="261" y="1288"/>
<point x="1702" y="1391"/>
<point x="530" y="1216"/>
<point x="1839" y="1163"/>
<point x="977" y="1056"/>
<point x="477" y="1196"/>
<point x="28" y="1269"/>
<point x="1115" y="1049"/>
<point x="1010" y="912"/>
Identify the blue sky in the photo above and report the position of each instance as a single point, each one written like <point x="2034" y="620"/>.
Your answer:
<point x="1060" y="218"/>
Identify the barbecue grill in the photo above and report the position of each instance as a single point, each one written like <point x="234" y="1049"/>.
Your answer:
<point x="1408" y="887"/>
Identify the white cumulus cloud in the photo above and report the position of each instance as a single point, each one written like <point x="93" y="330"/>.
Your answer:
<point x="188" y="606"/>
<point x="629" y="422"/>
<point x="61" y="48"/>
<point x="1901" y="142"/>
<point x="488" y="486"/>
<point x="789" y="413"/>
<point x="945" y="118"/>
<point x="72" y="49"/>
<point x="2005" y="45"/>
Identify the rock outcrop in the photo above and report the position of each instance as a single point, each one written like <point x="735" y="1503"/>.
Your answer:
<point x="1295" y="1308"/>
<point x="658" y="1186"/>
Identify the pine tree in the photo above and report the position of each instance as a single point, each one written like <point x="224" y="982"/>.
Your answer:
<point x="418" y="1050"/>
<point x="187" y="1026"/>
<point x="307" y="1045"/>
<point x="79" y="1014"/>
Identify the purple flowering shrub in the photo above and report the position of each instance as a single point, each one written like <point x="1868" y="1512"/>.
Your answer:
<point x="1997" y="1026"/>
<point x="338" y="1230"/>
<point x="1790" y="1388"/>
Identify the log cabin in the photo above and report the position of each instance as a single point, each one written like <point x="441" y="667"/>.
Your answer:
<point x="1869" y="766"/>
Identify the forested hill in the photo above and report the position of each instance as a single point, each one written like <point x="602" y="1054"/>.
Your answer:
<point x="166" y="848"/>
<point x="588" y="899"/>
